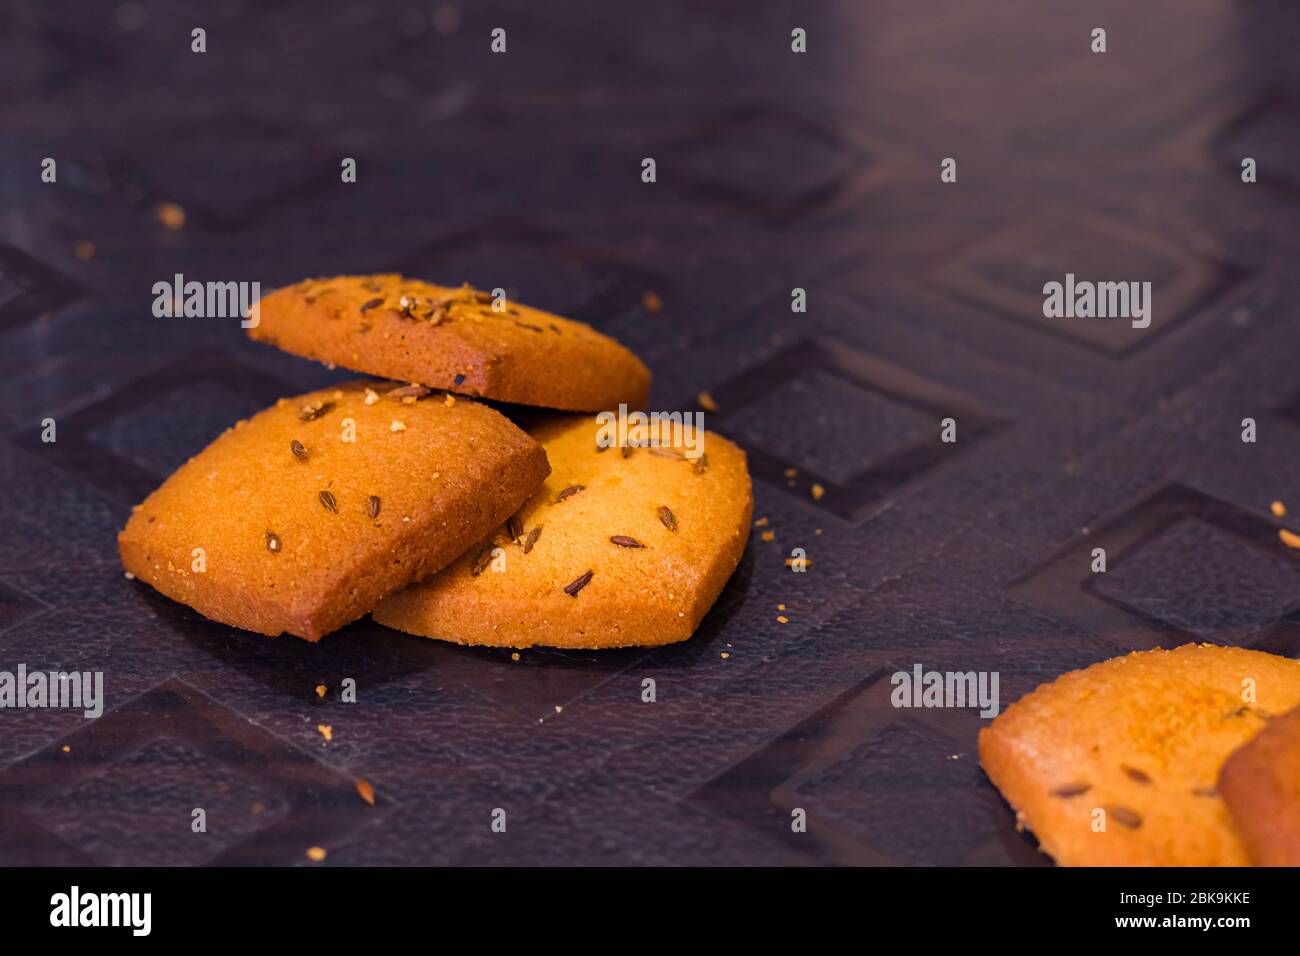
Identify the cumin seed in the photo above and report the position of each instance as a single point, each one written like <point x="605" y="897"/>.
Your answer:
<point x="309" y="413"/>
<point x="272" y="542"/>
<point x="569" y="492"/>
<point x="1072" y="790"/>
<point x="1125" y="816"/>
<point x="668" y="518"/>
<point x="408" y="391"/>
<point x="623" y="541"/>
<point x="298" y="449"/>
<point x="532" y="538"/>
<point x="667" y="453"/>
<point x="481" y="562"/>
<point x="1135" y="774"/>
<point x="514" y="527"/>
<point x="328" y="501"/>
<point x="578" y="584"/>
<point x="372" y="304"/>
<point x="372" y="506"/>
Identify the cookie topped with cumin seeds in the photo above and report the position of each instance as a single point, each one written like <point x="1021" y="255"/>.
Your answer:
<point x="636" y="557"/>
<point x="452" y="337"/>
<point x="302" y="518"/>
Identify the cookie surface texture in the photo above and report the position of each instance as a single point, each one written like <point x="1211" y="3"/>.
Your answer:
<point x="1116" y="764"/>
<point x="452" y="338"/>
<point x="302" y="518"/>
<point x="620" y="547"/>
<point x="1260" y="782"/>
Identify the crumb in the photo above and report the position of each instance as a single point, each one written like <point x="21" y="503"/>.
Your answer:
<point x="371" y="396"/>
<point x="365" y="790"/>
<point x="85" y="250"/>
<point x="321" y="691"/>
<point x="707" y="402"/>
<point x="1289" y="538"/>
<point x="316" y="853"/>
<point x="171" y="215"/>
<point x="397" y="426"/>
<point x="760" y="523"/>
<point x="326" y="731"/>
<point x="817" y="492"/>
<point x="651" y="302"/>
<point x="791" y="472"/>
<point x="780" y="607"/>
<point x="769" y="536"/>
<point x="782" y="619"/>
<point x="67" y="749"/>
<point x="725" y="655"/>
<point x="1278" y="509"/>
<point x="514" y="656"/>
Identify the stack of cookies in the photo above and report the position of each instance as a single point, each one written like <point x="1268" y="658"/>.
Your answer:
<point x="406" y="497"/>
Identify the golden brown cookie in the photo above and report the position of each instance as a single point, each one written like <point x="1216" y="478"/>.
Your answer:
<point x="1260" y="782"/>
<point x="285" y="524"/>
<point x="619" y="547"/>
<point x="452" y="338"/>
<point x="1136" y="743"/>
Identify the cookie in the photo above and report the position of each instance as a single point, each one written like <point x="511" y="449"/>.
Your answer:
<point x="283" y="524"/>
<point x="1260" y="783"/>
<point x="452" y="338"/>
<point x="1136" y="743"/>
<point x="621" y="546"/>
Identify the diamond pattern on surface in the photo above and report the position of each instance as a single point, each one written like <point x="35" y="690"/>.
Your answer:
<point x="15" y="605"/>
<point x="854" y="767"/>
<point x="29" y="289"/>
<point x="1269" y="133"/>
<point x="124" y="791"/>
<point x="123" y="421"/>
<point x="777" y="165"/>
<point x="1005" y="272"/>
<point x="843" y="429"/>
<point x="1181" y="566"/>
<point x="1200" y="578"/>
<point x="781" y="404"/>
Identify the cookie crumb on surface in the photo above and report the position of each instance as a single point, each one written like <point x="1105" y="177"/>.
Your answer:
<point x="171" y="215"/>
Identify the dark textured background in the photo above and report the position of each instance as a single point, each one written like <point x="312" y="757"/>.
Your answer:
<point x="775" y="170"/>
